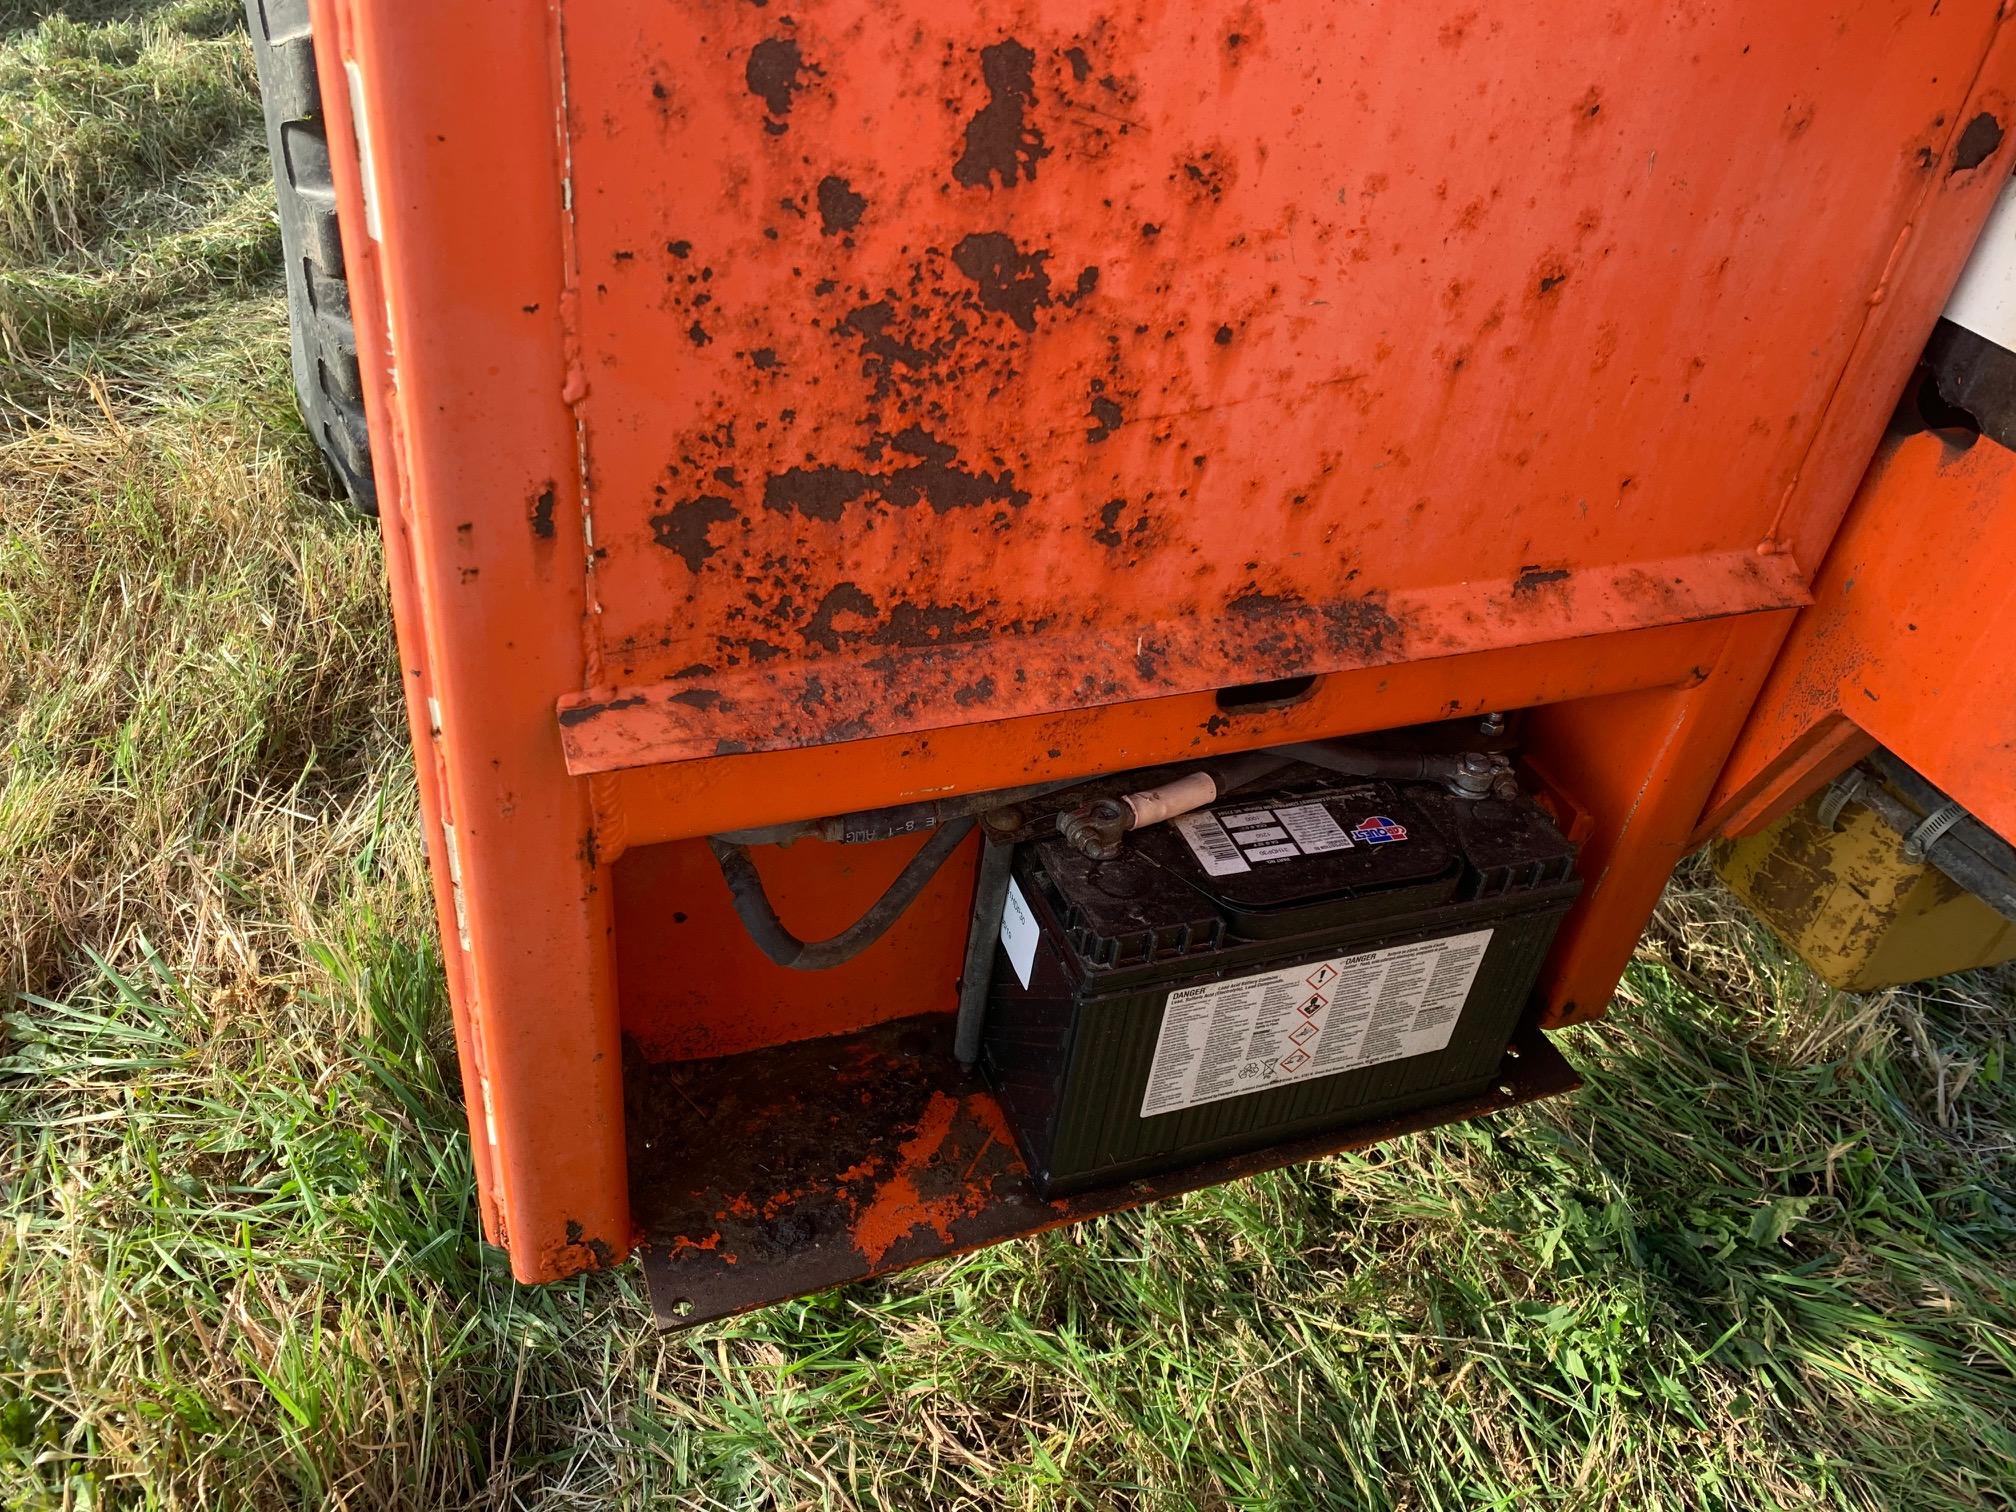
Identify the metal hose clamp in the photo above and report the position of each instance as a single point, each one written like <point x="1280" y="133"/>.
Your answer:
<point x="1841" y="792"/>
<point x="1925" y="834"/>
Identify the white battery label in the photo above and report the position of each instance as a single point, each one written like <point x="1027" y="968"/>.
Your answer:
<point x="1275" y="1028"/>
<point x="1019" y="932"/>
<point x="1209" y="843"/>
<point x="1226" y="842"/>
<point x="1248" y="819"/>
<point x="1313" y="828"/>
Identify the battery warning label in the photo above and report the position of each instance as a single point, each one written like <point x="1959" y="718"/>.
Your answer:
<point x="1227" y="841"/>
<point x="1253" y="1033"/>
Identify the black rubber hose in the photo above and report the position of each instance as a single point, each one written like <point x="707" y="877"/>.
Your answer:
<point x="1357" y="761"/>
<point x="887" y="823"/>
<point x="1970" y="853"/>
<point x="752" y="904"/>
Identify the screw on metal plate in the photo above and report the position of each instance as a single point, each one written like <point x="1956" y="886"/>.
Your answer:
<point x="1492" y="724"/>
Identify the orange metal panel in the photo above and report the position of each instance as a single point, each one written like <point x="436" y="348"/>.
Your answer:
<point x="946" y="363"/>
<point x="526" y="920"/>
<point x="694" y="985"/>
<point x="921" y="398"/>
<point x="1910" y="643"/>
<point x="1637" y="766"/>
<point x="674" y="801"/>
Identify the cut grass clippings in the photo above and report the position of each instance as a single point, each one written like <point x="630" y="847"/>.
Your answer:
<point x="1764" y="1258"/>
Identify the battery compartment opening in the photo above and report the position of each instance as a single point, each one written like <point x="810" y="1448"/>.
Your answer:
<point x="806" y="1128"/>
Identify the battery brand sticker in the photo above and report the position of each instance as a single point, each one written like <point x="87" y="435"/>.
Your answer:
<point x="1209" y="843"/>
<point x="1019" y="932"/>
<point x="1379" y="830"/>
<point x="1253" y="1033"/>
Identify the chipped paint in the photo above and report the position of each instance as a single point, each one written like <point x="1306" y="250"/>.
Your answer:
<point x="865" y="1153"/>
<point x="910" y="320"/>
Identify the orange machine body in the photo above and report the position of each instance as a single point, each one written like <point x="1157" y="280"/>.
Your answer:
<point x="790" y="411"/>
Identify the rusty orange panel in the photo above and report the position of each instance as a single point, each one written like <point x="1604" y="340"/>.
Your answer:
<point x="780" y="410"/>
<point x="645" y="804"/>
<point x="944" y="363"/>
<point x="1910" y="643"/>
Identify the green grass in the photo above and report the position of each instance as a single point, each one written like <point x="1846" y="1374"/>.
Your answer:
<point x="1765" y="1259"/>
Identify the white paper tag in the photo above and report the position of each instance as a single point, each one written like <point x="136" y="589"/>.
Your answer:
<point x="1019" y="932"/>
<point x="1253" y="1033"/>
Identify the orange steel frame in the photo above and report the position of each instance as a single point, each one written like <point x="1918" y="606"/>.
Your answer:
<point x="1907" y="644"/>
<point x="781" y="412"/>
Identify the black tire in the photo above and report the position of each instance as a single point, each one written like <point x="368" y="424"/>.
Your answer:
<point x="327" y="383"/>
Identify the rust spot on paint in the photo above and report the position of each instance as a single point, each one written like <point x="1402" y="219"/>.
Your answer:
<point x="1977" y="143"/>
<point x="1000" y="141"/>
<point x="542" y="513"/>
<point x="1255" y="604"/>
<point x="974" y="693"/>
<point x="934" y="478"/>
<point x="1532" y="579"/>
<point x="773" y="75"/>
<point x="871" y="323"/>
<point x="840" y="208"/>
<point x="1362" y="626"/>
<point x="684" y="527"/>
<point x="585" y="712"/>
<point x="841" y="598"/>
<point x="1010" y="282"/>
<point x="930" y="625"/>
<point x="1107" y="416"/>
<point x="1206" y="176"/>
<point x="598" y="1249"/>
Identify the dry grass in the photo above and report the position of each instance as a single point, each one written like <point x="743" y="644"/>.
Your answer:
<point x="1763" y="1260"/>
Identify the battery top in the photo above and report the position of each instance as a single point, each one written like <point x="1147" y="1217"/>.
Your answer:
<point x="1302" y="845"/>
<point x="1305" y="854"/>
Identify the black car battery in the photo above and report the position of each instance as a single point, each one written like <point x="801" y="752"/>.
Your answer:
<point x="1323" y="953"/>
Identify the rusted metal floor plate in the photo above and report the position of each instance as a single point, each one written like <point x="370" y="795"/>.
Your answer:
<point x="764" y="1176"/>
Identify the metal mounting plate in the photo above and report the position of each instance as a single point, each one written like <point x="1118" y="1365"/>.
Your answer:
<point x="767" y="1175"/>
